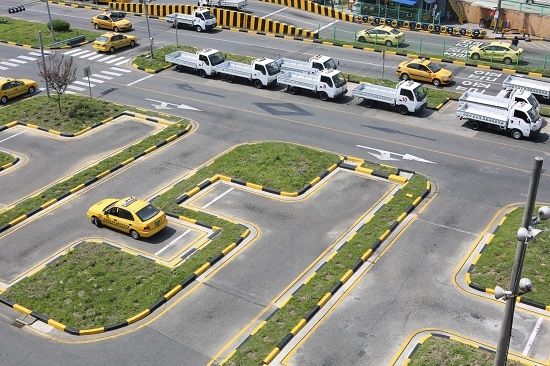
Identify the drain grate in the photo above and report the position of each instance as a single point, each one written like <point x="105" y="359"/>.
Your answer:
<point x="24" y="320"/>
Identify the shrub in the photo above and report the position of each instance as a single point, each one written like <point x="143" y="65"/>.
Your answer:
<point x="60" y="25"/>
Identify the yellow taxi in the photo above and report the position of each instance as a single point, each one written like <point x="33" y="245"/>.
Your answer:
<point x="11" y="88"/>
<point x="382" y="34"/>
<point x="131" y="215"/>
<point x="113" y="41"/>
<point x="114" y="21"/>
<point x="424" y="70"/>
<point x="497" y="51"/>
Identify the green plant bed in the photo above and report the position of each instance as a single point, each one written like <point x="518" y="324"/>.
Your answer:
<point x="5" y="158"/>
<point x="24" y="32"/>
<point x="494" y="267"/>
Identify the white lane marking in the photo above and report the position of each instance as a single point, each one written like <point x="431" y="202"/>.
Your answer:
<point x="96" y="80"/>
<point x="18" y="61"/>
<point x="87" y="54"/>
<point x="119" y="69"/>
<point x="137" y="81"/>
<point x="326" y="26"/>
<point x="4" y="68"/>
<point x="173" y="241"/>
<point x="71" y="51"/>
<point x="82" y="83"/>
<point x="94" y="57"/>
<point x="275" y="12"/>
<point x="111" y="73"/>
<point x="121" y="62"/>
<point x="105" y="58"/>
<point x="80" y="52"/>
<point x="102" y="76"/>
<point x="8" y="63"/>
<point x="532" y="337"/>
<point x="115" y="60"/>
<point x="77" y="88"/>
<point x="27" y="58"/>
<point x="7" y="138"/>
<point x="39" y="54"/>
<point x="217" y="198"/>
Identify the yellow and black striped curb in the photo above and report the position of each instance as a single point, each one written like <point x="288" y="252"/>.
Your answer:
<point x="96" y="178"/>
<point x="152" y="71"/>
<point x="8" y="165"/>
<point x="491" y="291"/>
<point x="360" y="261"/>
<point x="452" y="338"/>
<point x="75" y="5"/>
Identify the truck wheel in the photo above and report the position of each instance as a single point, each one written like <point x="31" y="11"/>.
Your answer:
<point x="516" y="134"/>
<point x="179" y="68"/>
<point x="403" y="109"/>
<point x="368" y="103"/>
<point x="198" y="28"/>
<point x="202" y="73"/>
<point x="229" y="78"/>
<point x="436" y="82"/>
<point x="476" y="125"/>
<point x="323" y="96"/>
<point x="475" y="56"/>
<point x="404" y="76"/>
<point x="258" y="84"/>
<point x="507" y="60"/>
<point x="293" y="90"/>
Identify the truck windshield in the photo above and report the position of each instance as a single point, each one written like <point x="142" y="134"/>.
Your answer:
<point x="533" y="115"/>
<point x="208" y="15"/>
<point x="339" y="80"/>
<point x="216" y="58"/>
<point x="330" y="64"/>
<point x="419" y="93"/>
<point x="533" y="101"/>
<point x="273" y="68"/>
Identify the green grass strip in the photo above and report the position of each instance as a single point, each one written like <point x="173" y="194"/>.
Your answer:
<point x="5" y="158"/>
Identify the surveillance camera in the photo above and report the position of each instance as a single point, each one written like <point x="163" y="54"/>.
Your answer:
<point x="544" y="213"/>
<point x="522" y="234"/>
<point x="500" y="293"/>
<point x="525" y="284"/>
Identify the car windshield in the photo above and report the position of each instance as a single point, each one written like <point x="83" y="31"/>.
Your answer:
<point x="433" y="67"/>
<point x="339" y="80"/>
<point x="419" y="93"/>
<point x="102" y="39"/>
<point x="208" y="15"/>
<point x="330" y="64"/>
<point x="395" y="31"/>
<point x="216" y="58"/>
<point x="147" y="212"/>
<point x="273" y="68"/>
<point x="515" y="48"/>
<point x="117" y="16"/>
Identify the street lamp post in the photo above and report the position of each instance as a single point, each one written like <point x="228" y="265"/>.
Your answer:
<point x="497" y="16"/>
<point x="525" y="233"/>
<point x="146" y="5"/>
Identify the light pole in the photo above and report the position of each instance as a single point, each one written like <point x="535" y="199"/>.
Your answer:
<point x="527" y="232"/>
<point x="50" y="17"/>
<point x="497" y="17"/>
<point x="146" y="5"/>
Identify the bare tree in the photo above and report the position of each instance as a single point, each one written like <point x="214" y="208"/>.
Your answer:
<point x="59" y="73"/>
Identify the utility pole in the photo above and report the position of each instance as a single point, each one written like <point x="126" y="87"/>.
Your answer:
<point x="497" y="16"/>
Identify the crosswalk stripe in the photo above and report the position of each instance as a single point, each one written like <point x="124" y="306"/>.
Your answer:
<point x="102" y="76"/>
<point x="69" y="92"/>
<point x="115" y="60"/>
<point x="94" y="57"/>
<point x="77" y="53"/>
<point x="18" y="61"/>
<point x="77" y="88"/>
<point x="105" y="58"/>
<point x="27" y="58"/>
<point x="83" y="83"/>
<point x="111" y="73"/>
<point x="87" y="54"/>
<point x="4" y="68"/>
<point x="8" y="63"/>
<point x="96" y="80"/>
<point x="121" y="70"/>
<point x="121" y="62"/>
<point x="39" y="54"/>
<point x="75" y="50"/>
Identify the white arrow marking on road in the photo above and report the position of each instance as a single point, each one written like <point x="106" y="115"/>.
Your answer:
<point x="165" y="105"/>
<point x="386" y="155"/>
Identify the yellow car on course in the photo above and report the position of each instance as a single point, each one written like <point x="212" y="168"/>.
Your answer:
<point x="114" y="21"/>
<point x="11" y="88"/>
<point x="382" y="34"/>
<point x="497" y="51"/>
<point x="113" y="41"/>
<point x="424" y="70"/>
<point x="137" y="217"/>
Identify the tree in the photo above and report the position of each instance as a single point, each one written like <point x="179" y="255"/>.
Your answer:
<point x="58" y="72"/>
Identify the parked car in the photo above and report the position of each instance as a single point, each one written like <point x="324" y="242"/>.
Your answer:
<point x="382" y="34"/>
<point x="497" y="51"/>
<point x="424" y="70"/>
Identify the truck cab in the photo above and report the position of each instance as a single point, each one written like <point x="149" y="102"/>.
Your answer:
<point x="412" y="95"/>
<point x="524" y="121"/>
<point x="518" y="95"/>
<point x="332" y="82"/>
<point x="265" y="70"/>
<point x="320" y="62"/>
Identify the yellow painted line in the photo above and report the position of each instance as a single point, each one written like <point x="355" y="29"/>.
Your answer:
<point x="367" y="254"/>
<point x="152" y="148"/>
<point x="77" y="188"/>
<point x="363" y="170"/>
<point x="417" y="201"/>
<point x="171" y="138"/>
<point x="103" y="174"/>
<point x="509" y="70"/>
<point x="467" y="278"/>
<point x="298" y="326"/>
<point x="55" y="132"/>
<point x="289" y="194"/>
<point x="83" y="131"/>
<point x="139" y="316"/>
<point x="425" y="338"/>
<point x="459" y="63"/>
<point x="347" y="276"/>
<point x="310" y="277"/>
<point x="21" y="309"/>
<point x="91" y="331"/>
<point x="202" y="269"/>
<point x="223" y="177"/>
<point x="254" y="186"/>
<point x="476" y="258"/>
<point x="128" y="161"/>
<point x="284" y="302"/>
<point x="17" y="220"/>
<point x="401" y="217"/>
<point x="259" y="327"/>
<point x="229" y="248"/>
<point x="56" y="324"/>
<point x="502" y="221"/>
<point x="31" y="125"/>
<point x="193" y="191"/>
<point x="331" y="256"/>
<point x="315" y="181"/>
<point x="172" y="292"/>
<point x="273" y="353"/>
<point x="352" y="235"/>
<point x="140" y="116"/>
<point x="324" y="299"/>
<point x="246" y="233"/>
<point x="228" y="357"/>
<point x="385" y="235"/>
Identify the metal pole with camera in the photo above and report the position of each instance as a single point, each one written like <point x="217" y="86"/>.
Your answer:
<point x="146" y="5"/>
<point x="51" y="24"/>
<point x="527" y="232"/>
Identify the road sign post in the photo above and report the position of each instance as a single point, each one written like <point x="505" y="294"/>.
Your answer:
<point x="87" y="74"/>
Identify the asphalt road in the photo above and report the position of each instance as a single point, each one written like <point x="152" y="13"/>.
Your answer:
<point x="408" y="288"/>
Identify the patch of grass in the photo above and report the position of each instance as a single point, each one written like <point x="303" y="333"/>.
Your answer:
<point x="5" y="158"/>
<point x="439" y="351"/>
<point x="25" y="32"/>
<point x="494" y="267"/>
<point x="380" y="167"/>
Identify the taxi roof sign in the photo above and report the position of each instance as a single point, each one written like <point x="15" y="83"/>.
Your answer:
<point x="128" y="201"/>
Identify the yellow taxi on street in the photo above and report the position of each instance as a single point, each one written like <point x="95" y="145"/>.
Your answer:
<point x="115" y="21"/>
<point x="382" y="34"/>
<point x="497" y="51"/>
<point x="11" y="88"/>
<point x="113" y="41"/>
<point x="131" y="215"/>
<point x="424" y="70"/>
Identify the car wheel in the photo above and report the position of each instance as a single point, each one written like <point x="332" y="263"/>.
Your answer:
<point x="96" y="26"/>
<point x="202" y="73"/>
<point x="404" y="76"/>
<point x="476" y="125"/>
<point x="403" y="110"/>
<point x="4" y="100"/>
<point x="388" y="43"/>
<point x="134" y="234"/>
<point x="368" y="103"/>
<point x="96" y="221"/>
<point x="198" y="28"/>
<point x="115" y="29"/>
<point x="475" y="56"/>
<point x="132" y="43"/>
<point x="112" y="49"/>
<point x="32" y="89"/>
<point x="516" y="134"/>
<point x="361" y="39"/>
<point x="258" y="84"/>
<point x="436" y="82"/>
<point x="323" y="96"/>
<point x="507" y="61"/>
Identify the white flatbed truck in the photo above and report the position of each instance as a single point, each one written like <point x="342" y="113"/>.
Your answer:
<point x="199" y="20"/>
<point x="407" y="96"/>
<point x="537" y="87"/>
<point x="327" y="83"/>
<point x="503" y="100"/>
<point x="203" y="61"/>
<point x="230" y="4"/>
<point x="519" y="121"/>
<point x="262" y="71"/>
<point x="312" y="66"/>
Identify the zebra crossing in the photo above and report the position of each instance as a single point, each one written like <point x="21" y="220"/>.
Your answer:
<point x="97" y="78"/>
<point x="20" y="60"/>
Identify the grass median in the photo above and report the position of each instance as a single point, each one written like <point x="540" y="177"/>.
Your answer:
<point x="5" y="158"/>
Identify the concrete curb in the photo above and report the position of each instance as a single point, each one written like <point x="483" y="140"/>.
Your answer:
<point x="9" y="165"/>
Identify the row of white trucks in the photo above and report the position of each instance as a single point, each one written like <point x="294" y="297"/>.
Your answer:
<point x="514" y="110"/>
